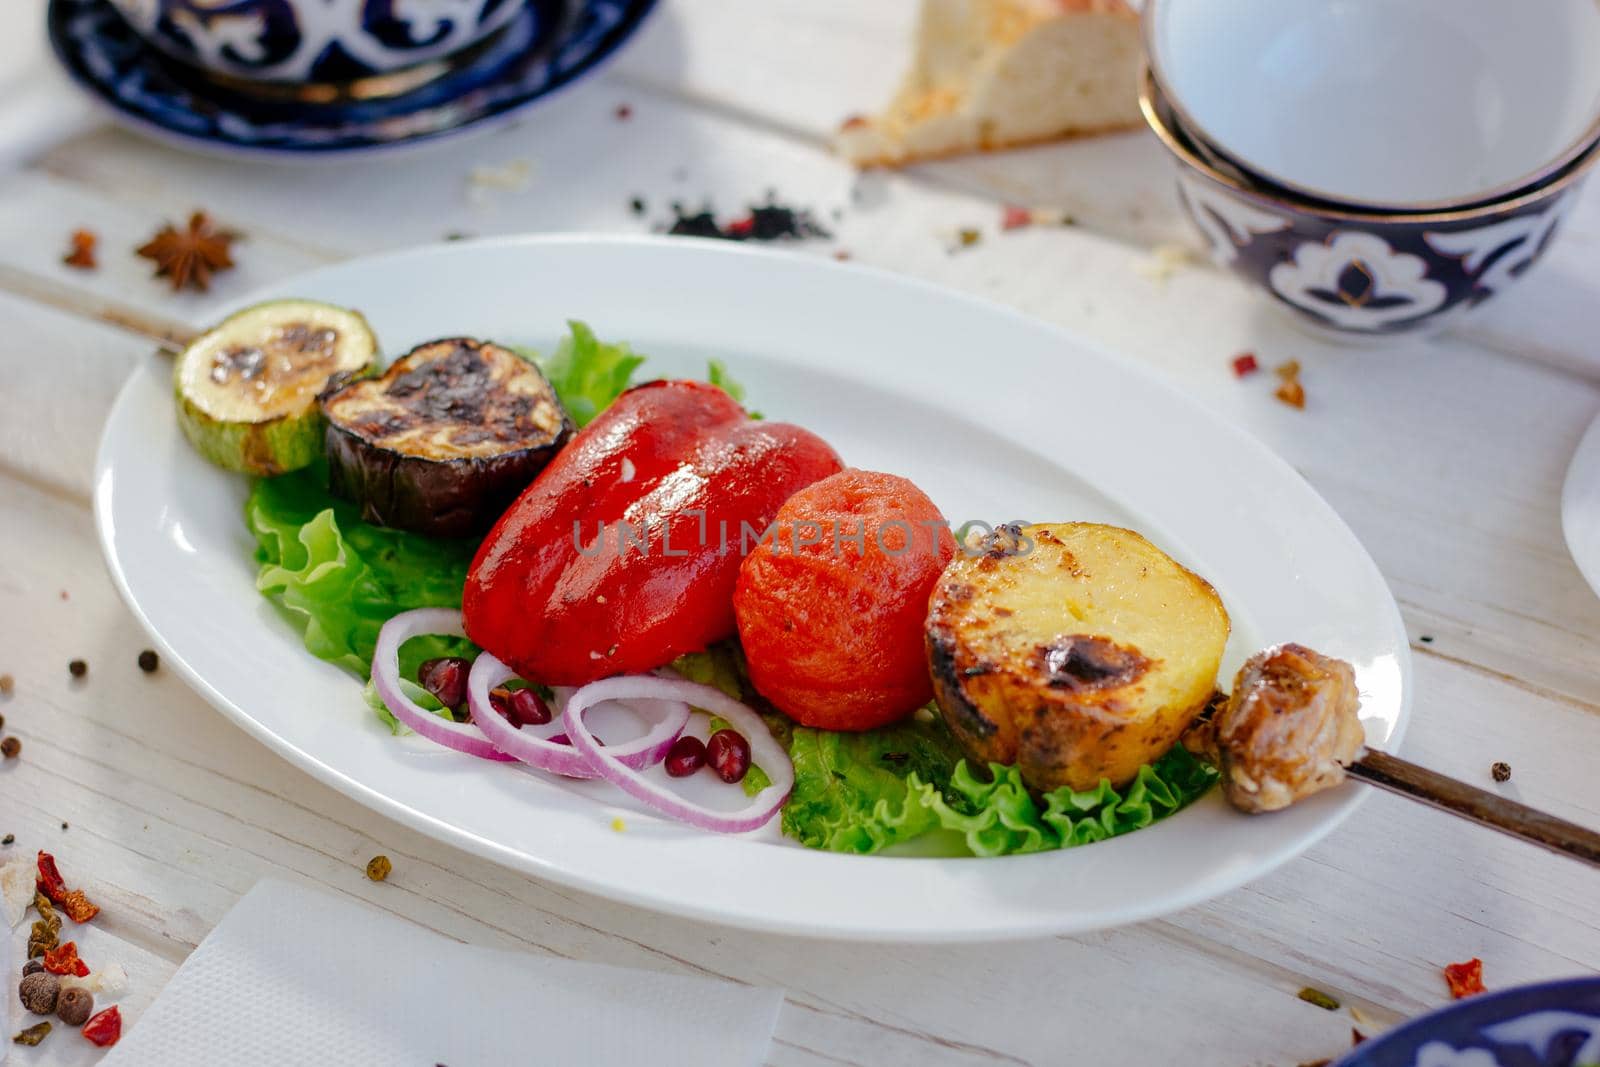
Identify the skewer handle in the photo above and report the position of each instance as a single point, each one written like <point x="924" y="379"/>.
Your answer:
<point x="1481" y="806"/>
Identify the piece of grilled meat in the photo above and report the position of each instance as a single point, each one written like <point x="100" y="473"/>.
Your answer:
<point x="1289" y="729"/>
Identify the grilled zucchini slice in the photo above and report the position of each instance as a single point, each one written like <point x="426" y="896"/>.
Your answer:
<point x="248" y="388"/>
<point x="1080" y="658"/>
<point x="445" y="439"/>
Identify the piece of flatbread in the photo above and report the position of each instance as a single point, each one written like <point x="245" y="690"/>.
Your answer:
<point x="991" y="74"/>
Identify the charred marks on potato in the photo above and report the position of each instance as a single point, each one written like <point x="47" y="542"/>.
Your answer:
<point x="1084" y="662"/>
<point x="948" y="678"/>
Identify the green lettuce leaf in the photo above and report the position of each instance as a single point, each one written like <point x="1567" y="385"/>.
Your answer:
<point x="588" y="374"/>
<point x="864" y="792"/>
<point x="340" y="579"/>
<point x="851" y="791"/>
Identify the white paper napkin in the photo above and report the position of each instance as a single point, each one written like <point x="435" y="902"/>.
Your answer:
<point x="292" y="975"/>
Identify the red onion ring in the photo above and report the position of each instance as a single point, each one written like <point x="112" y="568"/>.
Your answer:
<point x="765" y="752"/>
<point x="460" y="736"/>
<point x="537" y="745"/>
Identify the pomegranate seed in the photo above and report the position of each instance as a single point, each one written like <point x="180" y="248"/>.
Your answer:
<point x="446" y="678"/>
<point x="729" y="755"/>
<point x="528" y="708"/>
<point x="520" y="707"/>
<point x="687" y="755"/>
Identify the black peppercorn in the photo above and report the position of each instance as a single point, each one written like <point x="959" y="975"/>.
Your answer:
<point x="149" y="661"/>
<point x="77" y="668"/>
<point x="38" y="992"/>
<point x="74" y="1006"/>
<point x="8" y="839"/>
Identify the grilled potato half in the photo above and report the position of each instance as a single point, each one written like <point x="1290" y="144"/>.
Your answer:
<point x="1079" y="658"/>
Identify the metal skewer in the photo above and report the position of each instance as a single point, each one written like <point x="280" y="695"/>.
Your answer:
<point x="1396" y="775"/>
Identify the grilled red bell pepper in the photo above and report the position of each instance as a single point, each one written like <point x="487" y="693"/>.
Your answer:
<point x="623" y="553"/>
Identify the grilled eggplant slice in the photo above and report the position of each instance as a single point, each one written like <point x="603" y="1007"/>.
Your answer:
<point x="445" y="439"/>
<point x="248" y="388"/>
<point x="1075" y="651"/>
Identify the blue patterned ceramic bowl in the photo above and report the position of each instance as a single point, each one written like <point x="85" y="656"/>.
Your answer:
<point x="1556" y="1024"/>
<point x="1361" y="272"/>
<point x="314" y="41"/>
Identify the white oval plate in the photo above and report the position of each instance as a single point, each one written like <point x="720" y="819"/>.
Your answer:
<point x="1580" y="506"/>
<point x="995" y="415"/>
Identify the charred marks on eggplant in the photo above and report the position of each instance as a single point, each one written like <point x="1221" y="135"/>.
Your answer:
<point x="446" y="439"/>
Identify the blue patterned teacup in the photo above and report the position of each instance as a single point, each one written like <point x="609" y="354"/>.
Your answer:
<point x="1364" y="272"/>
<point x="314" y="41"/>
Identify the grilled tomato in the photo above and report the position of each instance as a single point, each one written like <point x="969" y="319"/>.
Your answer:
<point x="1073" y="650"/>
<point x="831" y="604"/>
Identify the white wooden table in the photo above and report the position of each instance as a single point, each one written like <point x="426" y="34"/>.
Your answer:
<point x="1445" y="456"/>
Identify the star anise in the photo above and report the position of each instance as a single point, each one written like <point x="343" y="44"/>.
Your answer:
<point x="189" y="257"/>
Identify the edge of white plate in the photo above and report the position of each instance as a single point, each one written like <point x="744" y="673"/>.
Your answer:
<point x="1198" y="893"/>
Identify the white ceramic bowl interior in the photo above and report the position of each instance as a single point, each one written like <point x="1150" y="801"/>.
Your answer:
<point x="1392" y="103"/>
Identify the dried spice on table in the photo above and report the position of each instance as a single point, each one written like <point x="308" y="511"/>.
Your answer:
<point x="1315" y="996"/>
<point x="189" y="257"/>
<point x="11" y="748"/>
<point x="1500" y="771"/>
<point x="104" y="1029"/>
<point x="63" y="959"/>
<point x="43" y="937"/>
<point x="1244" y="365"/>
<point x="80" y="251"/>
<point x="77" y="668"/>
<point x="378" y="868"/>
<point x="770" y="221"/>
<point x="74" y="1005"/>
<point x="1013" y="217"/>
<point x="39" y="991"/>
<point x="73" y="901"/>
<point x="149" y="662"/>
<point x="33" y="1034"/>
<point x="1290" y="390"/>
<point x="8" y="684"/>
<point x="1465" y="979"/>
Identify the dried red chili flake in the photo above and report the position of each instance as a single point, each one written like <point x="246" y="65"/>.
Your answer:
<point x="1013" y="217"/>
<point x="81" y="252"/>
<point x="104" y="1029"/>
<point x="624" y="112"/>
<point x="739" y="229"/>
<point x="63" y="959"/>
<point x="1244" y="364"/>
<point x="1466" y="979"/>
<point x="72" y="901"/>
